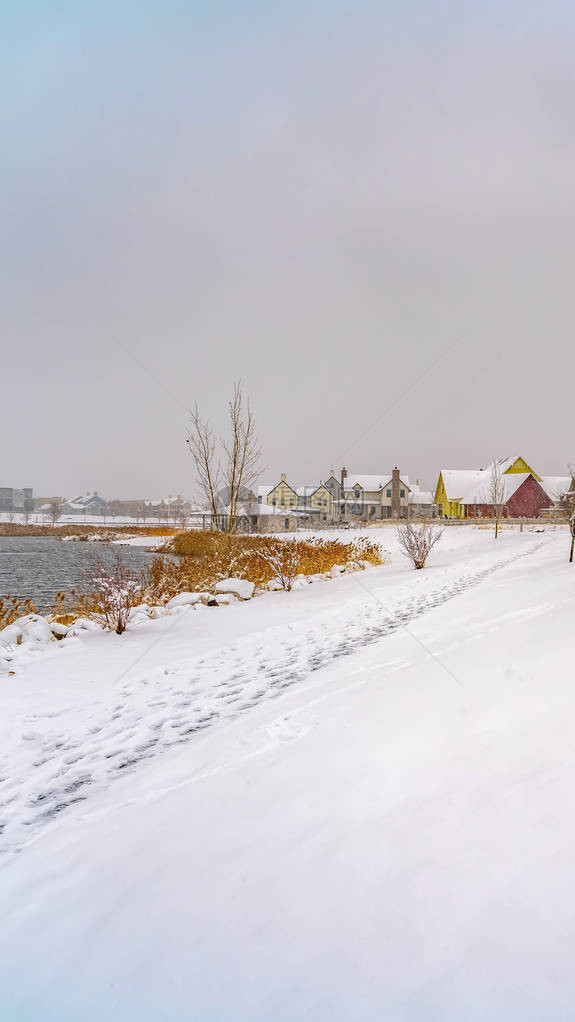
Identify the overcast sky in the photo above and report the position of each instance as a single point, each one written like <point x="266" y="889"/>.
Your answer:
<point x="319" y="197"/>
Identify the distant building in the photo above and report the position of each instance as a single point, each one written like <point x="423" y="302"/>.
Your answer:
<point x="266" y="518"/>
<point x="373" y="498"/>
<point x="89" y="504"/>
<point x="361" y="498"/>
<point x="313" y="501"/>
<point x="16" y="501"/>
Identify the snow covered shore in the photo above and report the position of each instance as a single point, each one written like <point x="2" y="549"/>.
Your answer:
<point x="348" y="802"/>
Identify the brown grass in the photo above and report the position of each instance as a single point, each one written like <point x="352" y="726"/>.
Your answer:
<point x="205" y="557"/>
<point x="11" y="608"/>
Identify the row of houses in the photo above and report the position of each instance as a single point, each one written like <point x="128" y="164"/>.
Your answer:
<point x="89" y="504"/>
<point x="459" y="494"/>
<point x="345" y="497"/>
<point x="351" y="497"/>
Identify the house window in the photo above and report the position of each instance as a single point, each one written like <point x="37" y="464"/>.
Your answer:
<point x="274" y="502"/>
<point x="402" y="493"/>
<point x="282" y="502"/>
<point x="372" y="511"/>
<point x="291" y="503"/>
<point x="357" y="494"/>
<point x="286" y="523"/>
<point x="389" y="493"/>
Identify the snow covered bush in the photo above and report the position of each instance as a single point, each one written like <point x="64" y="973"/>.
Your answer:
<point x="417" y="541"/>
<point x="283" y="559"/>
<point x="116" y="590"/>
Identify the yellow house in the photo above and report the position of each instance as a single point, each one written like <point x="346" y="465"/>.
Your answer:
<point x="454" y="483"/>
<point x="283" y="496"/>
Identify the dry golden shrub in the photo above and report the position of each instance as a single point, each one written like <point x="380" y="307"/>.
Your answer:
<point x="11" y="608"/>
<point x="202" y="558"/>
<point x="68" y="607"/>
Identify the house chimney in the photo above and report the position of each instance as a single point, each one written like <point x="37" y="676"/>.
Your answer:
<point x="395" y="501"/>
<point x="343" y="477"/>
<point x="284" y="479"/>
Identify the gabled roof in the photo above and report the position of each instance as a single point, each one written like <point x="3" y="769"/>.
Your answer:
<point x="285" y="483"/>
<point x="469" y="485"/>
<point x="458" y="482"/>
<point x="308" y="491"/>
<point x="505" y="464"/>
<point x="418" y="496"/>
<point x="373" y="483"/>
<point x="365" y="482"/>
<point x="478" y="493"/>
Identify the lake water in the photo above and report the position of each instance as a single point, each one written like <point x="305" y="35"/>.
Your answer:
<point x="36" y="567"/>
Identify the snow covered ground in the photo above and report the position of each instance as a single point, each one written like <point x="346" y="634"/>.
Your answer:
<point x="348" y="802"/>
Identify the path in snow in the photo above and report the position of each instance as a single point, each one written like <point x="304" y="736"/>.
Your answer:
<point x="60" y="762"/>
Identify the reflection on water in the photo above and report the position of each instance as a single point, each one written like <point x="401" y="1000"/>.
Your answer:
<point x="36" y="567"/>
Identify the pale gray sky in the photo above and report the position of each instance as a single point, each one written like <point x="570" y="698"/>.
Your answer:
<point x="316" y="197"/>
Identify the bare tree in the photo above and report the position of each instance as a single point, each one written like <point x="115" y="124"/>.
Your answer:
<point x="203" y="445"/>
<point x="566" y="502"/>
<point x="227" y="466"/>
<point x="417" y="541"/>
<point x="54" y="510"/>
<point x="116" y="590"/>
<point x="181" y="514"/>
<point x="243" y="454"/>
<point x="494" y="495"/>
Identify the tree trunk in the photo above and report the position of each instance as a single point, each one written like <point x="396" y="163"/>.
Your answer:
<point x="572" y="547"/>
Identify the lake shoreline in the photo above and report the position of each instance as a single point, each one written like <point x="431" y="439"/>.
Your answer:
<point x="36" y="568"/>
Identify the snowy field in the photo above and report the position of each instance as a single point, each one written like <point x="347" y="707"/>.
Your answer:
<point x="348" y="803"/>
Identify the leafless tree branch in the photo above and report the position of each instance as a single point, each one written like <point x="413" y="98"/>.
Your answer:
<point x="226" y="468"/>
<point x="417" y="541"/>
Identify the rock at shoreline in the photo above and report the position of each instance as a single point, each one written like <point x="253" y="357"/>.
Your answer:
<point x="240" y="587"/>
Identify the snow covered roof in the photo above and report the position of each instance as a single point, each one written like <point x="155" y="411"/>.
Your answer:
<point x="307" y="490"/>
<point x="504" y="463"/>
<point x="267" y="510"/>
<point x="84" y="500"/>
<point x="478" y="491"/>
<point x="418" y="496"/>
<point x="371" y="482"/>
<point x="458" y="482"/>
<point x="472" y="486"/>
<point x="263" y="491"/>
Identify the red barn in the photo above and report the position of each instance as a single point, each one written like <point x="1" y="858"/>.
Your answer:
<point x="524" y="498"/>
